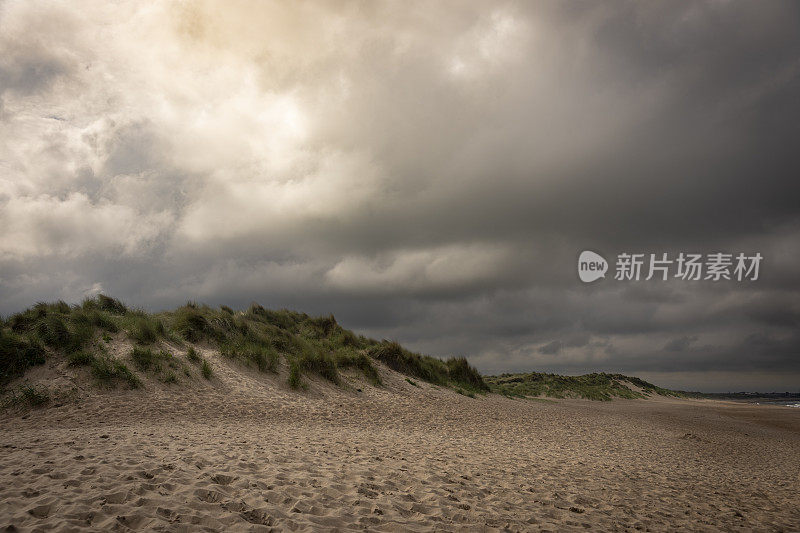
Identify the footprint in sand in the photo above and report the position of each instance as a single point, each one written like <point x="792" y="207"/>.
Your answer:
<point x="167" y="514"/>
<point x="222" y="479"/>
<point x="116" y="498"/>
<point x="257" y="516"/>
<point x="41" y="511"/>
<point x="209" y="496"/>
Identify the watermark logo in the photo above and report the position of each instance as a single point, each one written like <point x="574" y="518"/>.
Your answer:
<point x="591" y="266"/>
<point x="718" y="266"/>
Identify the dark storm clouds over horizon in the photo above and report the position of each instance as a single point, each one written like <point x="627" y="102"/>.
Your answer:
<point x="427" y="173"/>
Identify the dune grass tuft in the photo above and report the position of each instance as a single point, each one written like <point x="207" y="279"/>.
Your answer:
<point x="17" y="354"/>
<point x="263" y="355"/>
<point x="94" y="318"/>
<point x="460" y="371"/>
<point x="321" y="364"/>
<point x="350" y="358"/>
<point x="28" y="395"/>
<point x="398" y="358"/>
<point x="205" y="369"/>
<point x="192" y="355"/>
<point x="456" y="371"/>
<point x="144" y="358"/>
<point x="145" y="329"/>
<point x="80" y="358"/>
<point x="53" y="332"/>
<point x="190" y="323"/>
<point x="295" y="375"/>
<point x="109" y="371"/>
<point x="160" y="362"/>
<point x="105" y="303"/>
<point x="463" y="392"/>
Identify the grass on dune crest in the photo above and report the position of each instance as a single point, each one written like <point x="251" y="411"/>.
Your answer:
<point x="257" y="337"/>
<point x="454" y="371"/>
<point x="263" y="339"/>
<point x="596" y="386"/>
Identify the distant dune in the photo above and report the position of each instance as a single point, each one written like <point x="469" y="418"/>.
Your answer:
<point x="597" y="386"/>
<point x="218" y="420"/>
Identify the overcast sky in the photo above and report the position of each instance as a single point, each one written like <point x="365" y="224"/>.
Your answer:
<point x="428" y="172"/>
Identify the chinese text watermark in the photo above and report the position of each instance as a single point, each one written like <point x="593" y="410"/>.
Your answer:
<point x="716" y="266"/>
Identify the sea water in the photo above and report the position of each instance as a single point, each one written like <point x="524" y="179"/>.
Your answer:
<point x="786" y="403"/>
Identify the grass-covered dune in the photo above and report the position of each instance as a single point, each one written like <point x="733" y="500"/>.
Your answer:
<point x="596" y="386"/>
<point x="120" y="346"/>
<point x="166" y="345"/>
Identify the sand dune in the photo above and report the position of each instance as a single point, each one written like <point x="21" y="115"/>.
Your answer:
<point x="245" y="452"/>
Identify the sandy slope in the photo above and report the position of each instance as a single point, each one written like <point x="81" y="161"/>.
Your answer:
<point x="247" y="453"/>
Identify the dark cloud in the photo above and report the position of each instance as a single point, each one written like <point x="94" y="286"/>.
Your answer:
<point x="551" y="348"/>
<point x="429" y="182"/>
<point x="680" y="344"/>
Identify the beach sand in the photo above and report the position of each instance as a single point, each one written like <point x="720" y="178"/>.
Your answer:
<point x="244" y="452"/>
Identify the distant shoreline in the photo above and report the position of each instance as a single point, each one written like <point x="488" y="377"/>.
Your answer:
<point x="750" y="397"/>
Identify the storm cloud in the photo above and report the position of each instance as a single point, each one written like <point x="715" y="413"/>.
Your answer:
<point x="428" y="172"/>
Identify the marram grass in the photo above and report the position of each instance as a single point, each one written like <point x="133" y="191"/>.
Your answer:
<point x="256" y="337"/>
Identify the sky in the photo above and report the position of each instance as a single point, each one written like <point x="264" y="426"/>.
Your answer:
<point x="428" y="172"/>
